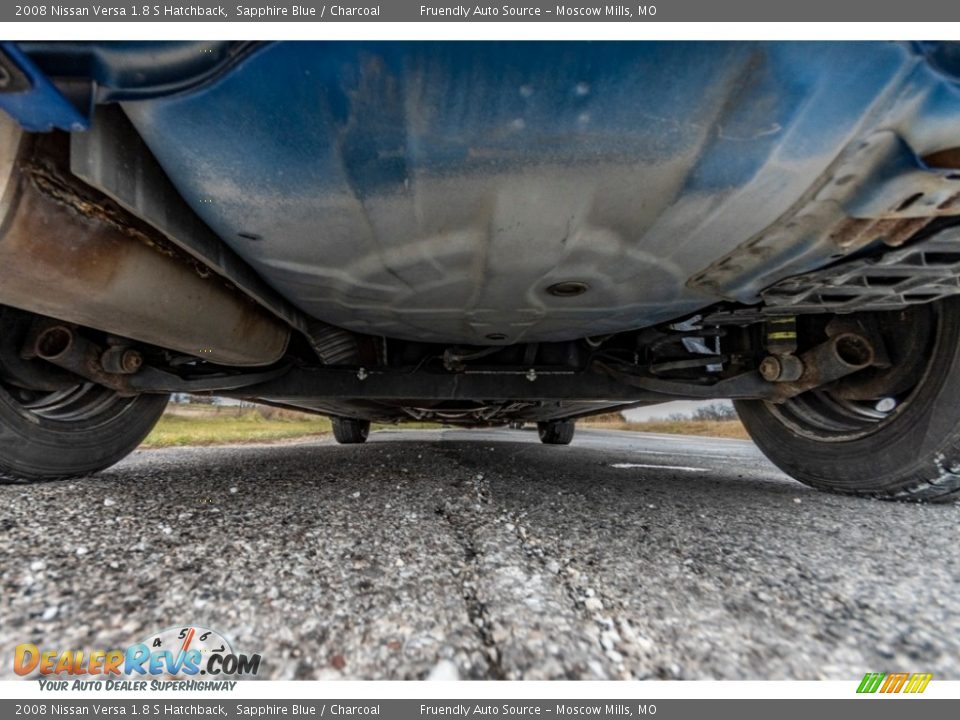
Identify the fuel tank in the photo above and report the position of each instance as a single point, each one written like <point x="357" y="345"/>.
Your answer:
<point x="504" y="192"/>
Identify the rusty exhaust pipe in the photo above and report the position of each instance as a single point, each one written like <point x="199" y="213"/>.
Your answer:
<point x="841" y="355"/>
<point x="62" y="346"/>
<point x="69" y="253"/>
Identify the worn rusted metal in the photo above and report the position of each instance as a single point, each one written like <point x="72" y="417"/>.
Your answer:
<point x="123" y="360"/>
<point x="838" y="357"/>
<point x="62" y="346"/>
<point x="781" y="368"/>
<point x="876" y="192"/>
<point x="68" y="253"/>
<point x="860" y="232"/>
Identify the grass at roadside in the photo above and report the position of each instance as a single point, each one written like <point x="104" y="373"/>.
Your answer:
<point x="218" y="425"/>
<point x="703" y="428"/>
<point x="190" y="425"/>
<point x="210" y="425"/>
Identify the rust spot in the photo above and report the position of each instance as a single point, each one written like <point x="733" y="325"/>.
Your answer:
<point x="858" y="232"/>
<point x="895" y="232"/>
<point x="51" y="184"/>
<point x="80" y="256"/>
<point x="950" y="203"/>
<point x="848" y="231"/>
<point x="907" y="230"/>
<point x="944" y="159"/>
<point x="44" y="174"/>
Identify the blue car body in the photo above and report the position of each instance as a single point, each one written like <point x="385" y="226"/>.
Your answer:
<point x="434" y="191"/>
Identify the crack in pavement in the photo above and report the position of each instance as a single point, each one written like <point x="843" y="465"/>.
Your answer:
<point x="510" y="589"/>
<point x="476" y="610"/>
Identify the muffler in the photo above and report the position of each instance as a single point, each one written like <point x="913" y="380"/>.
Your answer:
<point x="69" y="253"/>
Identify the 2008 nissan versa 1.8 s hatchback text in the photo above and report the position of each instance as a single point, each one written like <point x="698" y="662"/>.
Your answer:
<point x="486" y="234"/>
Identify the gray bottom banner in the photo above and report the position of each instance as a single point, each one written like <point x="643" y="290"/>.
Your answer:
<point x="874" y="708"/>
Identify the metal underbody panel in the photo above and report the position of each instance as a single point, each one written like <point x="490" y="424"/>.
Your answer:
<point x="435" y="191"/>
<point x="434" y="197"/>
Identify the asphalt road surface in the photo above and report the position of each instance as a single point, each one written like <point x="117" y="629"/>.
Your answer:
<point x="483" y="554"/>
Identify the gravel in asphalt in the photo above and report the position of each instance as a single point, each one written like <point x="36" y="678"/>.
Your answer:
<point x="483" y="554"/>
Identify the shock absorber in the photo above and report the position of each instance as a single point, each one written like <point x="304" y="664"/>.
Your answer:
<point x="780" y="341"/>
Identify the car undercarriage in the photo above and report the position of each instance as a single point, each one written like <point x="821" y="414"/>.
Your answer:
<point x="486" y="234"/>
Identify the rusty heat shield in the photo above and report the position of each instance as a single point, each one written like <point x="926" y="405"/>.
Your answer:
<point x="69" y="253"/>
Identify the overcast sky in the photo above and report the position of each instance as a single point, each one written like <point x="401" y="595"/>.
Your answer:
<point x="660" y="412"/>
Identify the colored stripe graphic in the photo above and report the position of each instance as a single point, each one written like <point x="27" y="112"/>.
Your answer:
<point x="918" y="682"/>
<point x="894" y="682"/>
<point x="870" y="682"/>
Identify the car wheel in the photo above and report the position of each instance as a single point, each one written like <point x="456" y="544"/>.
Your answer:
<point x="556" y="432"/>
<point x="74" y="431"/>
<point x="349" y="431"/>
<point x="890" y="433"/>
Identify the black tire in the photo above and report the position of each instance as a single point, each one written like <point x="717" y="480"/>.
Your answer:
<point x="910" y="453"/>
<point x="350" y="431"/>
<point x="73" y="432"/>
<point x="556" y="432"/>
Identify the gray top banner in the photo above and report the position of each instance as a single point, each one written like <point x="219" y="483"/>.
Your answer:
<point x="514" y="11"/>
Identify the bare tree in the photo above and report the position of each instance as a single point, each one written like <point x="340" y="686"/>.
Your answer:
<point x="718" y="411"/>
